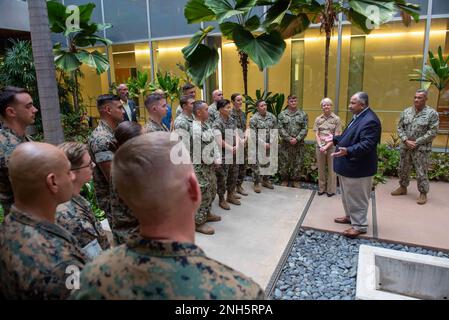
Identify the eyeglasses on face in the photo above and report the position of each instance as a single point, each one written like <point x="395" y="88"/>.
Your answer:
<point x="91" y="165"/>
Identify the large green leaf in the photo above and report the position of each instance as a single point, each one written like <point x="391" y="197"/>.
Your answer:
<point x="293" y="24"/>
<point x="196" y="41"/>
<point x="197" y="11"/>
<point x="252" y="23"/>
<point x="385" y="11"/>
<point x="94" y="59"/>
<point x="223" y="9"/>
<point x="202" y="63"/>
<point x="245" y="5"/>
<point x="86" y="12"/>
<point x="66" y="61"/>
<point x="82" y="40"/>
<point x="265" y="50"/>
<point x="227" y="29"/>
<point x="56" y="16"/>
<point x="276" y="12"/>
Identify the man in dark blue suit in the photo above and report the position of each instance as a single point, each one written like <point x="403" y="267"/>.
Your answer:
<point x="128" y="105"/>
<point x="355" y="162"/>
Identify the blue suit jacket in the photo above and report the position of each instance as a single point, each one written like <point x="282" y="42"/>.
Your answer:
<point x="132" y="106"/>
<point x="361" y="140"/>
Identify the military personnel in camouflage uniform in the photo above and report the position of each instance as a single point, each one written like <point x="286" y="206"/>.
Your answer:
<point x="187" y="90"/>
<point x="417" y="127"/>
<point x="12" y="134"/>
<point x="164" y="262"/>
<point x="217" y="95"/>
<point x="228" y="171"/>
<point x="156" y="105"/>
<point x="124" y="225"/>
<point x="183" y="123"/>
<point x="76" y="215"/>
<point x="262" y="120"/>
<point x="111" y="114"/>
<point x="292" y="131"/>
<point x="204" y="166"/>
<point x="239" y="117"/>
<point x="36" y="253"/>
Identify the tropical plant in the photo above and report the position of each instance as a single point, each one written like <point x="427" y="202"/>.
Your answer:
<point x="183" y="68"/>
<point x="254" y="35"/>
<point x="45" y="71"/>
<point x="436" y="74"/>
<point x="275" y="103"/>
<point x="79" y="35"/>
<point x="88" y="192"/>
<point x="140" y="85"/>
<point x="170" y="84"/>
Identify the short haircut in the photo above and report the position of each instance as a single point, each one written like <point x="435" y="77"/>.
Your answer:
<point x="326" y="100"/>
<point x="153" y="99"/>
<point x="291" y="96"/>
<point x="184" y="100"/>
<point x="187" y="86"/>
<point x="74" y="151"/>
<point x="125" y="131"/>
<point x="423" y="91"/>
<point x="197" y="105"/>
<point x="222" y="103"/>
<point x="363" y="98"/>
<point x="258" y="102"/>
<point x="234" y="96"/>
<point x="8" y="96"/>
<point x="106" y="98"/>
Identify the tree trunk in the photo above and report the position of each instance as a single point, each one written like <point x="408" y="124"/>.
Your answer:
<point x="244" y="63"/>
<point x="75" y="92"/>
<point x="326" y="63"/>
<point x="45" y="71"/>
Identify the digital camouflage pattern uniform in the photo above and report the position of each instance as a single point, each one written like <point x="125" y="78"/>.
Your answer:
<point x="183" y="125"/>
<point x="256" y="123"/>
<point x="124" y="224"/>
<point x="213" y="113"/>
<point x="8" y="142"/>
<point x="228" y="171"/>
<point x="34" y="256"/>
<point x="99" y="150"/>
<point x="205" y="171"/>
<point x="77" y="218"/>
<point x="178" y="110"/>
<point x="291" y="125"/>
<point x="240" y="119"/>
<point x="150" y="269"/>
<point x="153" y="126"/>
<point x="422" y="128"/>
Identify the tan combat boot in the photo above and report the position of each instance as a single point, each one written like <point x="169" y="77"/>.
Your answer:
<point x="284" y="183"/>
<point x="205" y="229"/>
<point x="232" y="199"/>
<point x="399" y="191"/>
<point x="257" y="188"/>
<point x="212" y="217"/>
<point x="241" y="190"/>
<point x="422" y="198"/>
<point x="236" y="195"/>
<point x="267" y="184"/>
<point x="223" y="204"/>
<point x="296" y="184"/>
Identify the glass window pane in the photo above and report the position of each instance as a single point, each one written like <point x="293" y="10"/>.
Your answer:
<point x="128" y="19"/>
<point x="440" y="7"/>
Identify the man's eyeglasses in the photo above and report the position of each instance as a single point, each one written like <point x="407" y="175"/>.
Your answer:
<point x="91" y="165"/>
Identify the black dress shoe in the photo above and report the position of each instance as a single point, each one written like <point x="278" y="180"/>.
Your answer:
<point x="320" y="193"/>
<point x="330" y="194"/>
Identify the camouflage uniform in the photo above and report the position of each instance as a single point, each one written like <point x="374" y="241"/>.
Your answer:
<point x="240" y="119"/>
<point x="150" y="269"/>
<point x="291" y="125"/>
<point x="324" y="126"/>
<point x="205" y="172"/>
<point x="213" y="113"/>
<point x="153" y="126"/>
<point x="123" y="224"/>
<point x="8" y="142"/>
<point x="77" y="218"/>
<point x="178" y="111"/>
<point x="255" y="123"/>
<point x="99" y="150"/>
<point x="228" y="171"/>
<point x="421" y="127"/>
<point x="34" y="256"/>
<point x="184" y="124"/>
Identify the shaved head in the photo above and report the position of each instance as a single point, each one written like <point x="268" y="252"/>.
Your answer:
<point x="217" y="95"/>
<point x="40" y="169"/>
<point x="150" y="184"/>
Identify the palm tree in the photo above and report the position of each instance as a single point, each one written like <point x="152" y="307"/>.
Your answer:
<point x="45" y="71"/>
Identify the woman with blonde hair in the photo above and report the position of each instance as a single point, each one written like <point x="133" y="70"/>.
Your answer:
<point x="325" y="124"/>
<point x="76" y="215"/>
